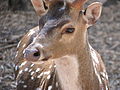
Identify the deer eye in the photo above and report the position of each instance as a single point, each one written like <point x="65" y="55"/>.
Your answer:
<point x="69" y="30"/>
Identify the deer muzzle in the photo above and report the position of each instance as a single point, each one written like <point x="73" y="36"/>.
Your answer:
<point x="35" y="53"/>
<point x="32" y="54"/>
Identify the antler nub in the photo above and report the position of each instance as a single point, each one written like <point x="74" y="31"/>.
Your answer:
<point x="76" y="3"/>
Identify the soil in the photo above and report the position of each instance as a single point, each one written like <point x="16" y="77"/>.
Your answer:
<point x="104" y="36"/>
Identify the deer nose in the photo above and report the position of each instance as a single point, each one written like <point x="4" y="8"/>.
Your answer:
<point x="32" y="54"/>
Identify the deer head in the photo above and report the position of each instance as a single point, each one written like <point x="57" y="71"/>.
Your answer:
<point x="62" y="28"/>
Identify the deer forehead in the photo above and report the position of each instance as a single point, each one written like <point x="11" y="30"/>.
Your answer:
<point x="52" y="24"/>
<point x="57" y="16"/>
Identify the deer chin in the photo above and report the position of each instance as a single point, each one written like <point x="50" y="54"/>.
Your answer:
<point x="44" y="59"/>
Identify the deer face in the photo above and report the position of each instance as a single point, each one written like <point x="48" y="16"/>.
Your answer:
<point x="62" y="31"/>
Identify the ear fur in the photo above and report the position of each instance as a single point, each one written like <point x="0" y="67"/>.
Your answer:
<point x="38" y="6"/>
<point x="93" y="12"/>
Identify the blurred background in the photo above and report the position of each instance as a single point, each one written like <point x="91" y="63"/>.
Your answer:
<point x="18" y="16"/>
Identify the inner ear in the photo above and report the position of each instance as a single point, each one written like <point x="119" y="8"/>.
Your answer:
<point x="39" y="6"/>
<point x="93" y="12"/>
<point x="45" y="6"/>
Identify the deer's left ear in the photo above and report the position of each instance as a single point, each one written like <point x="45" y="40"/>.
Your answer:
<point x="93" y="12"/>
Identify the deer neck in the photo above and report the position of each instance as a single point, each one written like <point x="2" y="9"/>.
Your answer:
<point x="76" y="72"/>
<point x="87" y="77"/>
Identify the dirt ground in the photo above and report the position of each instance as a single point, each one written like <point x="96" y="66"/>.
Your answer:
<point x="104" y="37"/>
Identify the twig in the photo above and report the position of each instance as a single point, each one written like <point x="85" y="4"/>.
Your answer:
<point x="8" y="46"/>
<point x="13" y="40"/>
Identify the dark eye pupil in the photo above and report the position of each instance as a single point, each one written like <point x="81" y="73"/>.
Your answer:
<point x="70" y="30"/>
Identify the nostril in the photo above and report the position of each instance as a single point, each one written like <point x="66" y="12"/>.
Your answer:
<point x="36" y="54"/>
<point x="32" y="54"/>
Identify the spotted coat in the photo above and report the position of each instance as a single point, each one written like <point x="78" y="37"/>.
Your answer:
<point x="43" y="75"/>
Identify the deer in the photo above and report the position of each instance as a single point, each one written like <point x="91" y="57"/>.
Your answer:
<point x="56" y="54"/>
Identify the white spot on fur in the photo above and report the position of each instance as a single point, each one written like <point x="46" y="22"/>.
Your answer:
<point x="24" y="45"/>
<point x="50" y="66"/>
<point x="32" y="73"/>
<point x="40" y="75"/>
<point x="26" y="69"/>
<point x="50" y="88"/>
<point x="20" y="72"/>
<point x="48" y="77"/>
<point x="30" y="70"/>
<point x="32" y="78"/>
<point x="24" y="51"/>
<point x="38" y="89"/>
<point x="47" y="72"/>
<point x="24" y="86"/>
<point x="38" y="69"/>
<point x="54" y="66"/>
<point x="103" y="74"/>
<point x="32" y="65"/>
<point x="16" y="68"/>
<point x="23" y="63"/>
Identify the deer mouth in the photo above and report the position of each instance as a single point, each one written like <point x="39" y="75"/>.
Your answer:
<point x="44" y="56"/>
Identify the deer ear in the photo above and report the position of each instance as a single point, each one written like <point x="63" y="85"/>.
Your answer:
<point x="93" y="12"/>
<point x="39" y="6"/>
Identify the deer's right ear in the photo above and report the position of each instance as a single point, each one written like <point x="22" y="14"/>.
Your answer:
<point x="39" y="6"/>
<point x="93" y="12"/>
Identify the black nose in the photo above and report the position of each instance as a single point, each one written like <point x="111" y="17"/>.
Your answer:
<point x="31" y="54"/>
